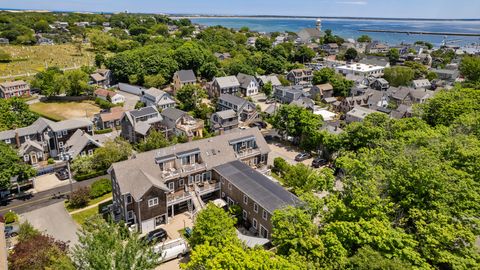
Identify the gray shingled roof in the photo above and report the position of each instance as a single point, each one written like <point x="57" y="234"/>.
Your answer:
<point x="143" y="111"/>
<point x="226" y="82"/>
<point x="233" y="99"/>
<point x="186" y="76"/>
<point x="213" y="151"/>
<point x="173" y="113"/>
<point x="78" y="141"/>
<point x="245" y="79"/>
<point x="226" y="114"/>
<point x="268" y="194"/>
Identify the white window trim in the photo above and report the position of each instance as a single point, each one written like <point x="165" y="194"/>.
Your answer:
<point x="129" y="199"/>
<point x="90" y="152"/>
<point x="130" y="215"/>
<point x="255" y="207"/>
<point x="171" y="186"/>
<point x="254" y="224"/>
<point x="244" y="214"/>
<point x="152" y="202"/>
<point x="26" y="158"/>
<point x="181" y="182"/>
<point x="59" y="135"/>
<point x="245" y="199"/>
<point x="264" y="214"/>
<point x="7" y="141"/>
<point x="64" y="132"/>
<point x="60" y="144"/>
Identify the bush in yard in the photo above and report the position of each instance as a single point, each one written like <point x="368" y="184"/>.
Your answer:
<point x="100" y="187"/>
<point x="10" y="217"/>
<point x="80" y="197"/>
<point x="27" y="231"/>
<point x="50" y="161"/>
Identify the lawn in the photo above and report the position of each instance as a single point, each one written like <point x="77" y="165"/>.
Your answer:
<point x="83" y="216"/>
<point x="65" y="110"/>
<point x="92" y="202"/>
<point x="32" y="59"/>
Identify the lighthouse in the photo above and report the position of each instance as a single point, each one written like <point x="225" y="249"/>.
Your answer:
<point x="319" y="25"/>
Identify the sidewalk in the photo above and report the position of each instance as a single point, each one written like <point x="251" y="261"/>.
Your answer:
<point x="90" y="206"/>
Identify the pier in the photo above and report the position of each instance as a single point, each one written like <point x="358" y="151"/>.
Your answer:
<point x="421" y="33"/>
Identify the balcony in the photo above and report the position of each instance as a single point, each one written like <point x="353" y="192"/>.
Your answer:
<point x="189" y="127"/>
<point x="178" y="197"/>
<point x="247" y="153"/>
<point x="207" y="187"/>
<point x="192" y="168"/>
<point x="171" y="173"/>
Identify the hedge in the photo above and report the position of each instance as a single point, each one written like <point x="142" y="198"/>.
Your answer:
<point x="100" y="188"/>
<point x="81" y="177"/>
<point x="103" y="131"/>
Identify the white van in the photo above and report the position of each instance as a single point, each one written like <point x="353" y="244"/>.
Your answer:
<point x="172" y="249"/>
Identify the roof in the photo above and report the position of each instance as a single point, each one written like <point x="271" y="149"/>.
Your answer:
<point x="266" y="193"/>
<point x="313" y="32"/>
<point x="324" y="87"/>
<point x="186" y="76"/>
<point x="229" y="81"/>
<point x="271" y="109"/>
<point x="214" y="151"/>
<point x="375" y="61"/>
<point x="245" y="79"/>
<point x="155" y="92"/>
<point x="13" y="83"/>
<point x="226" y="114"/>
<point x="115" y="113"/>
<point x="173" y="113"/>
<point x="422" y="83"/>
<point x="270" y="78"/>
<point x="330" y="99"/>
<point x="97" y="77"/>
<point x="143" y="111"/>
<point x="104" y="93"/>
<point x="382" y="81"/>
<point x="303" y="102"/>
<point x="360" y="112"/>
<point x="78" y="141"/>
<point x="233" y="99"/>
<point x="24" y="147"/>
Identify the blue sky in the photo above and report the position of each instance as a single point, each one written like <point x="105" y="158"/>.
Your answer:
<point x="359" y="8"/>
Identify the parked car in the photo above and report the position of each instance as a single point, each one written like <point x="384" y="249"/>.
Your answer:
<point x="62" y="174"/>
<point x="269" y="101"/>
<point x="270" y="138"/>
<point x="158" y="235"/>
<point x="303" y="156"/>
<point x="11" y="230"/>
<point x="318" y="162"/>
<point x="173" y="249"/>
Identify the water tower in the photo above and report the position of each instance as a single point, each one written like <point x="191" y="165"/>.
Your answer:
<point x="319" y="25"/>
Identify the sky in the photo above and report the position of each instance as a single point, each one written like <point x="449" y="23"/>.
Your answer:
<point x="458" y="9"/>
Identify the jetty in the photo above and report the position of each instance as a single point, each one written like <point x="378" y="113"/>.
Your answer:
<point x="421" y="32"/>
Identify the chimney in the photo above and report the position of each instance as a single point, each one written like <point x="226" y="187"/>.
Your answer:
<point x="17" y="138"/>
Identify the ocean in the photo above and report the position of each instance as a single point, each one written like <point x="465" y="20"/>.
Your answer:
<point x="349" y="28"/>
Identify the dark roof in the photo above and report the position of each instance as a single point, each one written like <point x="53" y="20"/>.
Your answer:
<point x="268" y="194"/>
<point x="233" y="99"/>
<point x="245" y="79"/>
<point x="186" y="75"/>
<point x="143" y="111"/>
<point x="172" y="113"/>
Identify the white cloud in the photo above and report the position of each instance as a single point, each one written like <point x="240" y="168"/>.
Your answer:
<point x="354" y="2"/>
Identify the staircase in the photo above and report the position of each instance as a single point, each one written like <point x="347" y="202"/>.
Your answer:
<point x="251" y="119"/>
<point x="198" y="204"/>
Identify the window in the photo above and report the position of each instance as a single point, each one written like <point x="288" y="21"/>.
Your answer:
<point x="198" y="178"/>
<point x="244" y="215"/>
<point x="82" y="153"/>
<point x="89" y="128"/>
<point x="60" y="144"/>
<point x="223" y="194"/>
<point x="64" y="132"/>
<point x="262" y="158"/>
<point x="7" y="141"/>
<point x="171" y="185"/>
<point x="40" y="154"/>
<point x="245" y="199"/>
<point x="130" y="215"/>
<point x="254" y="224"/>
<point x="129" y="199"/>
<point x="26" y="158"/>
<point x="27" y="138"/>
<point x="264" y="214"/>
<point x="159" y="220"/>
<point x="229" y="186"/>
<point x="90" y="152"/>
<point x="180" y="183"/>
<point x="207" y="176"/>
<point x="59" y="135"/>
<point x="152" y="202"/>
<point x="190" y="180"/>
<point x="255" y="207"/>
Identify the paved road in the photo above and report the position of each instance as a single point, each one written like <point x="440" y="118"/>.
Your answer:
<point x="130" y="100"/>
<point x="44" y="198"/>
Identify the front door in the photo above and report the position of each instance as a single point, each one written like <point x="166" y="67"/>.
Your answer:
<point x="33" y="158"/>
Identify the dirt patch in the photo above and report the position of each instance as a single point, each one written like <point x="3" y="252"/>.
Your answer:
<point x="66" y="110"/>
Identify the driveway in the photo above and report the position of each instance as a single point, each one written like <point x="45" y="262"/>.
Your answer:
<point x="48" y="181"/>
<point x="286" y="152"/>
<point x="54" y="220"/>
<point x="130" y="100"/>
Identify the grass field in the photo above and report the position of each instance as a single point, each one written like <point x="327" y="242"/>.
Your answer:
<point x="91" y="202"/>
<point x="81" y="217"/>
<point x="65" y="110"/>
<point x="32" y="59"/>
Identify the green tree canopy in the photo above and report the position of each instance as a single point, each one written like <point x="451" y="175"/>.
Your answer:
<point x="190" y="96"/>
<point x="351" y="54"/>
<point x="470" y="68"/>
<point x="12" y="165"/>
<point x="393" y="56"/>
<point x="364" y="38"/>
<point x="291" y="120"/>
<point x="398" y="76"/>
<point x="15" y="114"/>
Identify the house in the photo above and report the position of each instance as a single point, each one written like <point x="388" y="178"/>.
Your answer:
<point x="222" y="56"/>
<point x="101" y="78"/>
<point x="287" y="94"/>
<point x="349" y="103"/>
<point x="251" y="41"/>
<point x="360" y="69"/>
<point x="182" y="124"/>
<point x="326" y="114"/>
<point x="32" y="152"/>
<point x="377" y="47"/>
<point x="4" y="41"/>
<point x="377" y="99"/>
<point x="224" y="85"/>
<point x="358" y="114"/>
<point x="449" y="75"/>
<point x="109" y="96"/>
<point x="14" y="89"/>
<point x="300" y="76"/>
<point x="110" y="119"/>
<point x="59" y="25"/>
<point x="402" y="111"/>
<point x="380" y="84"/>
<point x="422" y="83"/>
<point x="321" y="91"/>
<point x="257" y="195"/>
<point x="420" y="96"/>
<point x="246" y="110"/>
<point x="307" y="35"/>
<point x="373" y="60"/>
<point x="137" y="124"/>
<point x="81" y="143"/>
<point x="273" y="79"/>
<point x="331" y="48"/>
<point x="248" y="84"/>
<point x="182" y="78"/>
<point x="304" y="102"/>
<point x="151" y="188"/>
<point x="51" y="136"/>
<point x="224" y="121"/>
<point x="158" y="98"/>
<point x="44" y="41"/>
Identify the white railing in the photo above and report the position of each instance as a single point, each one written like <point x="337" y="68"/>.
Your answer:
<point x="247" y="152"/>
<point x="173" y="199"/>
<point x="207" y="188"/>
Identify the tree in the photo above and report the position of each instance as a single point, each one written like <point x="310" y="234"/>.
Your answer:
<point x="432" y="76"/>
<point x="15" y="113"/>
<point x="46" y="81"/>
<point x="156" y="81"/>
<point x="420" y="71"/>
<point x="267" y="89"/>
<point x="11" y="165"/>
<point x="263" y="44"/>
<point x="367" y="258"/>
<point x="424" y="43"/>
<point x="291" y="120"/>
<point x="214" y="226"/>
<point x="160" y="29"/>
<point x="304" y="54"/>
<point x="398" y="76"/>
<point x="111" y="152"/>
<point x="323" y="75"/>
<point x="364" y="38"/>
<point x="190" y="96"/>
<point x="351" y="54"/>
<point x="41" y="26"/>
<point x="99" y="59"/>
<point x="77" y="82"/>
<point x="27" y="232"/>
<point x="303" y="179"/>
<point x="209" y="70"/>
<point x="105" y="245"/>
<point x="40" y="252"/>
<point x="80" y="197"/>
<point x="341" y="86"/>
<point x="470" y="68"/>
<point x="190" y="56"/>
<point x="393" y="56"/>
<point x="154" y="140"/>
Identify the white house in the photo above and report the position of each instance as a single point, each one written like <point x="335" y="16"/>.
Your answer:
<point x="248" y="84"/>
<point x="157" y="97"/>
<point x="360" y="69"/>
<point x="110" y="96"/>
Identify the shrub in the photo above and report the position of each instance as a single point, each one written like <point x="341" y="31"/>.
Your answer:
<point x="280" y="166"/>
<point x="103" y="103"/>
<point x="81" y="177"/>
<point x="103" y="131"/>
<point x="100" y="187"/>
<point x="26" y="232"/>
<point x="50" y="161"/>
<point x="139" y="105"/>
<point x="80" y="197"/>
<point x="10" y="217"/>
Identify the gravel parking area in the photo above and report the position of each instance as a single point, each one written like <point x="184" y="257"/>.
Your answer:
<point x="286" y="152"/>
<point x="48" y="181"/>
<point x="130" y="100"/>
